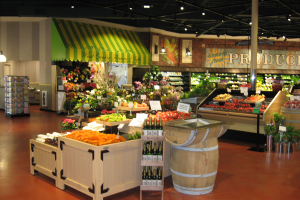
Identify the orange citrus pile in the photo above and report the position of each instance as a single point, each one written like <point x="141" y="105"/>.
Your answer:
<point x="94" y="137"/>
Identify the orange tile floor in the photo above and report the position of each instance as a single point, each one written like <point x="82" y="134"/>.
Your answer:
<point x="242" y="174"/>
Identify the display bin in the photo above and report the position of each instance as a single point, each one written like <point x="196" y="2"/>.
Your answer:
<point x="43" y="159"/>
<point x="99" y="171"/>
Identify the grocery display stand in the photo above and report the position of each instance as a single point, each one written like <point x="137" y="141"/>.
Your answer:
<point x="16" y="96"/>
<point x="146" y="138"/>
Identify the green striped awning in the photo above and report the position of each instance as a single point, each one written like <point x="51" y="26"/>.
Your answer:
<point x="76" y="41"/>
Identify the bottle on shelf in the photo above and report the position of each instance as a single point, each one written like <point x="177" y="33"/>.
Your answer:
<point x="145" y="127"/>
<point x="149" y="130"/>
<point x="149" y="180"/>
<point x="160" y="152"/>
<point x="145" y="153"/>
<point x="154" y="178"/>
<point x="159" y="178"/>
<point x="149" y="152"/>
<point x="155" y="128"/>
<point x="144" y="177"/>
<point x="155" y="155"/>
<point x="160" y="128"/>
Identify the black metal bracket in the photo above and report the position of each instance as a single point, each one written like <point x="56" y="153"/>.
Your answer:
<point x="55" y="172"/>
<point x="32" y="161"/>
<point x="61" y="145"/>
<point x="92" y="190"/>
<point x="61" y="175"/>
<point x="102" y="152"/>
<point x="32" y="147"/>
<point x="104" y="190"/>
<point x="91" y="151"/>
<point x="53" y="152"/>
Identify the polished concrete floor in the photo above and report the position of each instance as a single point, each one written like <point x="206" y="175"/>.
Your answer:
<point x="242" y="174"/>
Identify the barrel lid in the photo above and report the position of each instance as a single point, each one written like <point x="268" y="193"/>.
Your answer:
<point x="195" y="123"/>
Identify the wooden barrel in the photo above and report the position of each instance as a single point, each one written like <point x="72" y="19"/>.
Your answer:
<point x="194" y="168"/>
<point x="292" y="117"/>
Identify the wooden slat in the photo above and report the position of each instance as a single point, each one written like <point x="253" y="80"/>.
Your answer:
<point x="275" y="106"/>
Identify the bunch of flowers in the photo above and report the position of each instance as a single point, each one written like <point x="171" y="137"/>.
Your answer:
<point x="70" y="76"/>
<point x="171" y="100"/>
<point x="82" y="77"/>
<point x="71" y="95"/>
<point x="68" y="124"/>
<point x="64" y="71"/>
<point x="70" y="86"/>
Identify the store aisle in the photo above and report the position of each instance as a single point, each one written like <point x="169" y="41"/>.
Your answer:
<point x="242" y="174"/>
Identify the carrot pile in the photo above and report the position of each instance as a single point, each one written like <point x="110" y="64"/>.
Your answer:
<point x="94" y="137"/>
<point x="92" y="119"/>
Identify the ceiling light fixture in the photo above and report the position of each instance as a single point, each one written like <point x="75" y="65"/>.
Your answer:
<point x="147" y="6"/>
<point x="203" y="12"/>
<point x="283" y="37"/>
<point x="72" y="6"/>
<point x="223" y="19"/>
<point x="2" y="57"/>
<point x="250" y="23"/>
<point x="185" y="28"/>
<point x="130" y="6"/>
<point x="289" y="17"/>
<point x="182" y="6"/>
<point x="163" y="50"/>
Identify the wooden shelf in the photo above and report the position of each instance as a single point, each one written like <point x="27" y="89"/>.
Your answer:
<point x="152" y="163"/>
<point x="151" y="188"/>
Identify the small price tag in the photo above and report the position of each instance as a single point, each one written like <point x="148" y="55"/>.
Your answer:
<point x="60" y="87"/>
<point x="136" y="123"/>
<point x="228" y="90"/>
<point x="116" y="104"/>
<point x="143" y="97"/>
<point x="256" y="110"/>
<point x="119" y="100"/>
<point x="89" y="81"/>
<point x="130" y="104"/>
<point x="99" y="97"/>
<point x="244" y="89"/>
<point x="65" y="81"/>
<point x="294" y="97"/>
<point x="75" y="81"/>
<point x="258" y="91"/>
<point x="155" y="105"/>
<point x="282" y="128"/>
<point x="120" y="126"/>
<point x="92" y="92"/>
<point x="183" y="107"/>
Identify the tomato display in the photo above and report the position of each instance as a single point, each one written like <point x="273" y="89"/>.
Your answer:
<point x="292" y="104"/>
<point x="169" y="115"/>
<point x="237" y="104"/>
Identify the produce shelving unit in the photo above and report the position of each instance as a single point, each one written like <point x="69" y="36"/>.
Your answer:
<point x="175" y="77"/>
<point x="145" y="138"/>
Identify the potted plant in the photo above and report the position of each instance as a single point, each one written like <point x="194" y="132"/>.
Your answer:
<point x="270" y="131"/>
<point x="277" y="141"/>
<point x="294" y="139"/>
<point x="278" y="119"/>
<point x="67" y="105"/>
<point x="68" y="125"/>
<point x="286" y="137"/>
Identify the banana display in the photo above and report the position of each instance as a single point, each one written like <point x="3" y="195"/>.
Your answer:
<point x="223" y="96"/>
<point x="114" y="117"/>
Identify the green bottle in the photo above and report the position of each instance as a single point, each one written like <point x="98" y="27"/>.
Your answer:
<point x="145" y="153"/>
<point x="154" y="178"/>
<point x="149" y="179"/>
<point x="160" y="128"/>
<point x="145" y="127"/>
<point x="159" y="178"/>
<point x="160" y="152"/>
<point x="155" y="128"/>
<point x="149" y="131"/>
<point x="149" y="152"/>
<point x="155" y="155"/>
<point x="144" y="177"/>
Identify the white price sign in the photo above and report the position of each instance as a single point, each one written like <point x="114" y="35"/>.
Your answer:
<point x="116" y="104"/>
<point x="183" y="107"/>
<point x="60" y="87"/>
<point x="99" y="97"/>
<point x="258" y="91"/>
<point x="244" y="90"/>
<point x="120" y="126"/>
<point x="141" y="116"/>
<point x="228" y="90"/>
<point x="89" y="81"/>
<point x="92" y="92"/>
<point x="65" y="81"/>
<point x="136" y="123"/>
<point x="143" y="97"/>
<point x="130" y="104"/>
<point x="282" y="128"/>
<point x="294" y="97"/>
<point x="155" y="105"/>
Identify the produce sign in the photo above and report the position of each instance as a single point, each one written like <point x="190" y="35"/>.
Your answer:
<point x="222" y="97"/>
<point x="114" y="117"/>
<point x="94" y="137"/>
<point x="238" y="105"/>
<point x="292" y="104"/>
<point x="169" y="115"/>
<point x="255" y="98"/>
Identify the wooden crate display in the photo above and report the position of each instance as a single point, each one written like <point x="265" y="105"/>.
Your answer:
<point x="43" y="159"/>
<point x="99" y="171"/>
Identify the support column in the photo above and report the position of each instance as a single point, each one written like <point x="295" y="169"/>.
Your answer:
<point x="254" y="41"/>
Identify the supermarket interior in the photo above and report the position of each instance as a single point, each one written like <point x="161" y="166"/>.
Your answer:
<point x="176" y="99"/>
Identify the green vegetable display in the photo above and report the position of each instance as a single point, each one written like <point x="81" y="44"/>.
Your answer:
<point x="114" y="117"/>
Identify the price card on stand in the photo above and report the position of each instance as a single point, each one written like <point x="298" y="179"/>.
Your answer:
<point x="99" y="97"/>
<point x="92" y="92"/>
<point x="244" y="90"/>
<point x="228" y="90"/>
<point x="143" y="97"/>
<point x="282" y="128"/>
<point x="88" y="81"/>
<point x="130" y="104"/>
<point x="155" y="105"/>
<point x="258" y="91"/>
<point x="135" y="122"/>
<point x="64" y="81"/>
<point x="294" y="97"/>
<point x="116" y="104"/>
<point x="183" y="107"/>
<point x="141" y="116"/>
<point x="120" y="126"/>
